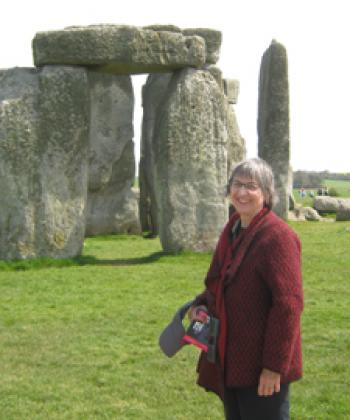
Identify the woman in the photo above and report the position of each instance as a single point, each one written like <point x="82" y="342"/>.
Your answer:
<point x="254" y="287"/>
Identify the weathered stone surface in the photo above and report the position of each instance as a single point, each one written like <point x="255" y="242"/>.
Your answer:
<point x="273" y="120"/>
<point x="163" y="28"/>
<point x="19" y="163"/>
<point x="326" y="204"/>
<point x="190" y="148"/>
<point x="216" y="73"/>
<point x="119" y="49"/>
<point x="292" y="202"/>
<point x="112" y="205"/>
<point x="212" y="39"/>
<point x="153" y="96"/>
<point x="301" y="214"/>
<point x="231" y="88"/>
<point x="343" y="214"/>
<point x="291" y="199"/>
<point x="311" y="214"/>
<point x="43" y="161"/>
<point x="236" y="148"/>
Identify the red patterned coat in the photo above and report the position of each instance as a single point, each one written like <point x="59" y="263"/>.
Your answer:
<point x="254" y="287"/>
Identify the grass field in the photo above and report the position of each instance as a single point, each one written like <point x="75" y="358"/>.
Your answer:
<point x="79" y="339"/>
<point x="342" y="187"/>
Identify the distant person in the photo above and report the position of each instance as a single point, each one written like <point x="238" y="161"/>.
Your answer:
<point x="302" y="193"/>
<point x="254" y="288"/>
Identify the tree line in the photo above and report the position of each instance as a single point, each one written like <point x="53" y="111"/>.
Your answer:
<point x="314" y="179"/>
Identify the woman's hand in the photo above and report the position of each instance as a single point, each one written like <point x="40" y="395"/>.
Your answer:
<point x="269" y="383"/>
<point x="198" y="313"/>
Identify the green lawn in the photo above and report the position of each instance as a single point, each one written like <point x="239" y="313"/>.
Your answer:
<point x="306" y="201"/>
<point x="80" y="340"/>
<point x="342" y="187"/>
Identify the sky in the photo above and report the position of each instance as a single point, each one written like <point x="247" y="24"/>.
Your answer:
<point x="315" y="33"/>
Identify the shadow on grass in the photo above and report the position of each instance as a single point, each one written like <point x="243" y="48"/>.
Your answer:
<point x="82" y="260"/>
<point x="155" y="256"/>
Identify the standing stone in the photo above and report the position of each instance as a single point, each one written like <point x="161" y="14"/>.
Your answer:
<point x="43" y="161"/>
<point x="231" y="88"/>
<point x="112" y="204"/>
<point x="153" y="96"/>
<point x="19" y="163"/>
<point x="190" y="147"/>
<point x="236" y="148"/>
<point x="273" y="120"/>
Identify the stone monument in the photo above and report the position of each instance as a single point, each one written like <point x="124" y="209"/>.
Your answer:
<point x="66" y="150"/>
<point x="273" y="121"/>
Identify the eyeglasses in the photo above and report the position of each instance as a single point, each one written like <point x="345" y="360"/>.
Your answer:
<point x="249" y="186"/>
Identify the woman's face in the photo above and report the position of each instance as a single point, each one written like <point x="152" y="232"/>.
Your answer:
<point x="247" y="197"/>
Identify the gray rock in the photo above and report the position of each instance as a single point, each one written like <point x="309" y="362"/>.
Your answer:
<point x="236" y="148"/>
<point x="292" y="202"/>
<point x="119" y="49"/>
<point x="231" y="88"/>
<point x="19" y="163"/>
<point x="163" y="28"/>
<point x="311" y="214"/>
<point x="43" y="161"/>
<point x="153" y="95"/>
<point x="216" y="73"/>
<point x="212" y="39"/>
<point x="300" y="213"/>
<point x="190" y="147"/>
<point x="112" y="206"/>
<point x="273" y="120"/>
<point x="326" y="204"/>
<point x="343" y="215"/>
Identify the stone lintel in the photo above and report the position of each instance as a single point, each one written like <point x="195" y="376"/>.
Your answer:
<point x="126" y="49"/>
<point x="213" y="39"/>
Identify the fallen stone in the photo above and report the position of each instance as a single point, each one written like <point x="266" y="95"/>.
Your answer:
<point x="343" y="215"/>
<point x="326" y="204"/>
<point x="300" y="213"/>
<point x="311" y="214"/>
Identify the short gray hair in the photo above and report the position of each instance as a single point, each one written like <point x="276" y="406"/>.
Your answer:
<point x="259" y="171"/>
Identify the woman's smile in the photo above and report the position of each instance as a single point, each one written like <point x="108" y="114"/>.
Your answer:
<point x="247" y="198"/>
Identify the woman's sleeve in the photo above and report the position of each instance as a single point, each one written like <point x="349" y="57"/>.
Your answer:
<point x="282" y="273"/>
<point x="207" y="297"/>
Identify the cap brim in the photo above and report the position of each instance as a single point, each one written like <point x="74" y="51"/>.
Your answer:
<point x="171" y="338"/>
